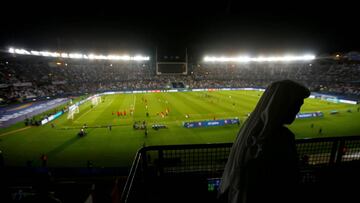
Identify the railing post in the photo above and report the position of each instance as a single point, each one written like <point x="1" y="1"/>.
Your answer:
<point x="130" y="180"/>
<point x="161" y="160"/>
<point x="340" y="151"/>
<point x="334" y="151"/>
<point x="144" y="161"/>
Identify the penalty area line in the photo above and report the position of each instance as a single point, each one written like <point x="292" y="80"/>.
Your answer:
<point x="15" y="131"/>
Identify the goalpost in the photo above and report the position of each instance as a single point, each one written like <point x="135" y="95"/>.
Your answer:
<point x="72" y="111"/>
<point x="330" y="98"/>
<point x="96" y="100"/>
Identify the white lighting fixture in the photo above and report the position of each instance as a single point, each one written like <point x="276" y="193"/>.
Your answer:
<point x="79" y="55"/>
<point x="245" y="59"/>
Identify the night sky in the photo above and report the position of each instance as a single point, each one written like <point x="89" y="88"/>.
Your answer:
<point x="205" y="27"/>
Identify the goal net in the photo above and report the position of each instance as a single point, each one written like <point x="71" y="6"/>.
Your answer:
<point x="329" y="98"/>
<point x="72" y="111"/>
<point x="96" y="100"/>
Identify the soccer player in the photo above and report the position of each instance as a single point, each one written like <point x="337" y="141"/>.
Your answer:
<point x="82" y="132"/>
<point x="124" y="113"/>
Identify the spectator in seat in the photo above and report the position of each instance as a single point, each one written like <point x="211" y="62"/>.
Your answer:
<point x="262" y="165"/>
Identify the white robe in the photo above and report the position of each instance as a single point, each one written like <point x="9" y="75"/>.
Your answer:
<point x="252" y="143"/>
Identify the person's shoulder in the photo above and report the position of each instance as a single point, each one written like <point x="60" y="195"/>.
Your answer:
<point x="286" y="131"/>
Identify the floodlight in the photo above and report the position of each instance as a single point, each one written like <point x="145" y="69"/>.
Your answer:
<point x="78" y="55"/>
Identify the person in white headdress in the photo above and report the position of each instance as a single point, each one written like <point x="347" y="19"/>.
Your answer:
<point x="262" y="164"/>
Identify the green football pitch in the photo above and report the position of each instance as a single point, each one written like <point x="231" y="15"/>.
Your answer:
<point x="117" y="148"/>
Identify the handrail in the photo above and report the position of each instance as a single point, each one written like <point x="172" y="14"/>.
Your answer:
<point x="141" y="152"/>
<point x="324" y="139"/>
<point x="130" y="179"/>
<point x="185" y="146"/>
<point x="216" y="145"/>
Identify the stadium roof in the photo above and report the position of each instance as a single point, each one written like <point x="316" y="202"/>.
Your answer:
<point x="202" y="26"/>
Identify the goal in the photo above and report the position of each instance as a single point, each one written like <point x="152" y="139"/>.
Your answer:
<point x="96" y="100"/>
<point x="74" y="109"/>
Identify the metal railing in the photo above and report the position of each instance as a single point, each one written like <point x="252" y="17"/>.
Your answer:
<point x="209" y="160"/>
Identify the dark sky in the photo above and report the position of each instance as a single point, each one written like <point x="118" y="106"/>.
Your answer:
<point x="204" y="27"/>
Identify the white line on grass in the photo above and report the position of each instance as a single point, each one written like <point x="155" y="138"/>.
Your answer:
<point x="134" y="104"/>
<point x="90" y="110"/>
<point x="14" y="131"/>
<point x="84" y="114"/>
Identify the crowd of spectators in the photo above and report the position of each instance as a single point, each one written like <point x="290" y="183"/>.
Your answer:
<point x="321" y="77"/>
<point x="26" y="79"/>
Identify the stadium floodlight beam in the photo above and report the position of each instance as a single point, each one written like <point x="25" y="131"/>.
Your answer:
<point x="49" y="54"/>
<point x="141" y="58"/>
<point x="246" y="59"/>
<point x="125" y="58"/>
<point x="45" y="53"/>
<point x="79" y="55"/>
<point x="75" y="56"/>
<point x="20" y="51"/>
<point x="36" y="53"/>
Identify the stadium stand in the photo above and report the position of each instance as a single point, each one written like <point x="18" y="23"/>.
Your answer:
<point x="182" y="173"/>
<point x="27" y="77"/>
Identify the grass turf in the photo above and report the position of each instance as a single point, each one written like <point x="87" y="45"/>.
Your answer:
<point x="116" y="148"/>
